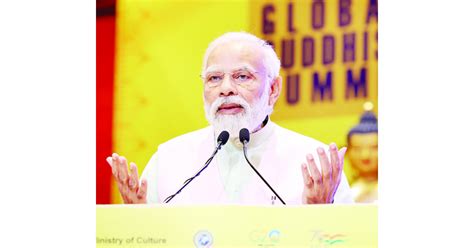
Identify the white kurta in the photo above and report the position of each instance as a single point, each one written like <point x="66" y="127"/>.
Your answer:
<point x="276" y="152"/>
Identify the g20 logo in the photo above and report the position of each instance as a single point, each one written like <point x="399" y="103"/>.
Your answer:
<point x="265" y="237"/>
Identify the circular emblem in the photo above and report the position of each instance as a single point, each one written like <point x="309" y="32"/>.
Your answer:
<point x="203" y="239"/>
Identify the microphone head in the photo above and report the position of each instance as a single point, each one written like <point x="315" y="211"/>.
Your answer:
<point x="244" y="135"/>
<point x="223" y="137"/>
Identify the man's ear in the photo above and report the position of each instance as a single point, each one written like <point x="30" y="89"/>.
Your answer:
<point x="275" y="89"/>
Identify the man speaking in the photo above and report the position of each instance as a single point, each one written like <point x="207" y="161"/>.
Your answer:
<point x="242" y="157"/>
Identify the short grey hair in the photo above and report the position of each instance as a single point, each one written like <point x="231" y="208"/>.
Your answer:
<point x="271" y="60"/>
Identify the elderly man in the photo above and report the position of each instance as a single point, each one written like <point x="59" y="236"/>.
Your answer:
<point x="241" y="85"/>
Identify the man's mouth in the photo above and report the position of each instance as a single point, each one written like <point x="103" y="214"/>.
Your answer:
<point x="230" y="109"/>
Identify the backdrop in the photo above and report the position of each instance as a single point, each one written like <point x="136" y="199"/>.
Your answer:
<point x="153" y="91"/>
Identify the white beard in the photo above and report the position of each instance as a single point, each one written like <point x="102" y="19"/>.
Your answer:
<point x="251" y="118"/>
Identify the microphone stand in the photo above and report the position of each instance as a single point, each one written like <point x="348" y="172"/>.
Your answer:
<point x="263" y="179"/>
<point x="189" y="180"/>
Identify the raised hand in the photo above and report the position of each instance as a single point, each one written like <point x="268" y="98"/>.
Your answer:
<point x="320" y="187"/>
<point x="128" y="182"/>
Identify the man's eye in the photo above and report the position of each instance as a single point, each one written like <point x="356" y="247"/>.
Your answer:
<point x="242" y="77"/>
<point x="214" y="79"/>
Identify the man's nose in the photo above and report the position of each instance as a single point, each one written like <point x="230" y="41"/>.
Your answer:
<point x="227" y="87"/>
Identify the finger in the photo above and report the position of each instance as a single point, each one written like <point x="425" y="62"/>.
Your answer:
<point x="115" y="167"/>
<point x="112" y="165"/>
<point x="115" y="156"/>
<point x="315" y="174"/>
<point x="306" y="177"/>
<point x="326" y="169"/>
<point x="109" y="160"/>
<point x="116" y="162"/>
<point x="142" y="191"/>
<point x="334" y="160"/>
<point x="124" y="193"/>
<point x="123" y="170"/>
<point x="342" y="153"/>
<point x="133" y="180"/>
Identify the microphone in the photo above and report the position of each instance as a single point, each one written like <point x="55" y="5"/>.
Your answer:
<point x="244" y="136"/>
<point x="221" y="140"/>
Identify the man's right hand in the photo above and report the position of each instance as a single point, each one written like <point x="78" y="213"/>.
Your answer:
<point x="128" y="182"/>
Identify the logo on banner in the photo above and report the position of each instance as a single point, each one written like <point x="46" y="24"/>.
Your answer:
<point x="320" y="239"/>
<point x="265" y="238"/>
<point x="203" y="239"/>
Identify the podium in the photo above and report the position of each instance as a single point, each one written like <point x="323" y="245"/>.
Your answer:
<point x="237" y="226"/>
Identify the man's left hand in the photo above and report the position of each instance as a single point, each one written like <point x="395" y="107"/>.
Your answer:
<point x="320" y="187"/>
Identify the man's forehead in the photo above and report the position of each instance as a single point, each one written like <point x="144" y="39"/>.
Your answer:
<point x="235" y="67"/>
<point x="233" y="55"/>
